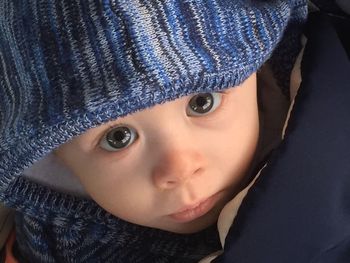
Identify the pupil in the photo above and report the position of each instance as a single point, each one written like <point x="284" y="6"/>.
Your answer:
<point x="202" y="103"/>
<point x="119" y="137"/>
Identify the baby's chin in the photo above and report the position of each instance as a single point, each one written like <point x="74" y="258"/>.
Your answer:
<point x="191" y="228"/>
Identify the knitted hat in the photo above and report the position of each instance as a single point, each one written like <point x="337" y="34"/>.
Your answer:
<point x="69" y="65"/>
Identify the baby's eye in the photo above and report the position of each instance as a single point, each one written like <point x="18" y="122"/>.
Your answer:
<point x="203" y="103"/>
<point x="118" y="138"/>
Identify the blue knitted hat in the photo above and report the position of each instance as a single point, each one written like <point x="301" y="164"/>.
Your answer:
<point x="70" y="65"/>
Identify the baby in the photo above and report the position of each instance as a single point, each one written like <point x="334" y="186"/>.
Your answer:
<point x="151" y="105"/>
<point x="172" y="166"/>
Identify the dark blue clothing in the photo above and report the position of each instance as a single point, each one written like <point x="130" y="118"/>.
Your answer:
<point x="299" y="209"/>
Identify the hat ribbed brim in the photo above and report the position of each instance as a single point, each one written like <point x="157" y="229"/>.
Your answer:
<point x="67" y="66"/>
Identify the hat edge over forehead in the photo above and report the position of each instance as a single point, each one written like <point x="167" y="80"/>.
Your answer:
<point x="67" y="66"/>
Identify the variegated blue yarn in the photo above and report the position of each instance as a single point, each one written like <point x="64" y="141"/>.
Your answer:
<point x="69" y="65"/>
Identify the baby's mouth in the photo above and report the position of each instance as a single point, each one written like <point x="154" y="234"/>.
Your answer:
<point x="192" y="212"/>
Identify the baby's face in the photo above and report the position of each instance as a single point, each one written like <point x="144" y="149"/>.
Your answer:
<point x="173" y="166"/>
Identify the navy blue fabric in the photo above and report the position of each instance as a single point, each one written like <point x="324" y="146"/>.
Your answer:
<point x="330" y="6"/>
<point x="299" y="209"/>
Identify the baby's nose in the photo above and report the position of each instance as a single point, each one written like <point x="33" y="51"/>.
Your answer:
<point x="176" y="167"/>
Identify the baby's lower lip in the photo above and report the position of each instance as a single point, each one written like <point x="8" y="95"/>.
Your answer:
<point x="193" y="213"/>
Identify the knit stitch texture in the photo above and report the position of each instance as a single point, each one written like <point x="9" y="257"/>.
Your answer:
<point x="70" y="65"/>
